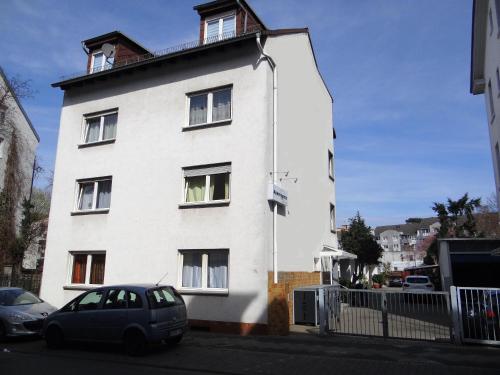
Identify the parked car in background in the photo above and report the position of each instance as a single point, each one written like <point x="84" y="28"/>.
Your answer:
<point x="480" y="314"/>
<point x="135" y="315"/>
<point x="21" y="312"/>
<point x="396" y="282"/>
<point x="418" y="284"/>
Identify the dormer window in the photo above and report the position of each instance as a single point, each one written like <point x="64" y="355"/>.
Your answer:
<point x="100" y="63"/>
<point x="219" y="28"/>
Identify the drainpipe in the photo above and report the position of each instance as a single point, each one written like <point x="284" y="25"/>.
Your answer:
<point x="274" y="68"/>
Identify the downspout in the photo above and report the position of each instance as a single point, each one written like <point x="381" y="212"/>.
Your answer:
<point x="274" y="68"/>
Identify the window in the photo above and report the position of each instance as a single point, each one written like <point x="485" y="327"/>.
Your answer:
<point x="332" y="218"/>
<point x="207" y="184"/>
<point x="497" y="11"/>
<point x="90" y="301"/>
<point x="210" y="107"/>
<point x="490" y="18"/>
<point x="100" y="62"/>
<point x="330" y="165"/>
<point x="220" y="28"/>
<point x="490" y="97"/>
<point x="207" y="269"/>
<point x="1" y="147"/>
<point x="94" y="195"/>
<point x="88" y="268"/>
<point x="100" y="128"/>
<point x="497" y="154"/>
<point x="2" y="116"/>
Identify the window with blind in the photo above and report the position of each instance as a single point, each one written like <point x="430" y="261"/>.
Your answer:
<point x="220" y="28"/>
<point x="207" y="183"/>
<point x="100" y="128"/>
<point x="204" y="269"/>
<point x="94" y="194"/>
<point x="210" y="107"/>
<point x="88" y="268"/>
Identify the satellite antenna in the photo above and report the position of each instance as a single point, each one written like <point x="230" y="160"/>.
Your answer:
<point x="159" y="281"/>
<point x="108" y="50"/>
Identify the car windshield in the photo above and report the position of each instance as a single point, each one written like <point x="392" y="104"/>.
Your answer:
<point x="16" y="297"/>
<point x="417" y="280"/>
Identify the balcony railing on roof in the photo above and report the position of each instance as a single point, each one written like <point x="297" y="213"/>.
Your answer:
<point x="164" y="52"/>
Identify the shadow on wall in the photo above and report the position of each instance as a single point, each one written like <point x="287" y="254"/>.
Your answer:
<point x="233" y="308"/>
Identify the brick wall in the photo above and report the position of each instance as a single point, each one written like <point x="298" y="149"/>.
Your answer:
<point x="280" y="298"/>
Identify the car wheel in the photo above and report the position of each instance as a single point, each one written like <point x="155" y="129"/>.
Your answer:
<point x="135" y="343"/>
<point x="174" y="340"/>
<point x="54" y="338"/>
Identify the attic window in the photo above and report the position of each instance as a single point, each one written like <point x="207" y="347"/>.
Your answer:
<point x="100" y="62"/>
<point x="220" y="28"/>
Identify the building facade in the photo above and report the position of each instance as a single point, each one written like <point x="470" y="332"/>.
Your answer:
<point x="485" y="71"/>
<point x="208" y="166"/>
<point x="15" y="121"/>
<point x="402" y="242"/>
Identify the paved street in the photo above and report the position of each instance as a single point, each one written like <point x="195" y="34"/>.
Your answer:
<point x="204" y="353"/>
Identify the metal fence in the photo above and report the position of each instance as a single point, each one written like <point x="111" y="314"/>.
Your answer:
<point x="396" y="314"/>
<point x="29" y="282"/>
<point x="478" y="314"/>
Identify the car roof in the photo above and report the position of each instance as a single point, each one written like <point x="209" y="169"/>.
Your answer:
<point x="10" y="288"/>
<point x="134" y="286"/>
<point x="418" y="276"/>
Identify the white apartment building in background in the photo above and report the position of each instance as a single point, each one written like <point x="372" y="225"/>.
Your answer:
<point x="209" y="166"/>
<point x="13" y="118"/>
<point x="402" y="242"/>
<point x="485" y="71"/>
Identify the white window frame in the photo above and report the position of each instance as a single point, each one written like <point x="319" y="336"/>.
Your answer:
<point x="204" y="272"/>
<point x="491" y="103"/>
<point x="210" y="103"/>
<point x="89" y="254"/>
<point x="104" y="62"/>
<point x="333" y="228"/>
<point x="206" y="198"/>
<point x="220" y="18"/>
<point x="100" y="115"/>
<point x="78" y="194"/>
<point x="2" y="143"/>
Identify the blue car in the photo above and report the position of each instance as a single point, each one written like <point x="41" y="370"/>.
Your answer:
<point x="135" y="315"/>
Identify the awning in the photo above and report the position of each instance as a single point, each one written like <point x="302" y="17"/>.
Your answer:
<point x="336" y="254"/>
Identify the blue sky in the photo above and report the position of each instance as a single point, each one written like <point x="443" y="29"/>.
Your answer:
<point x="408" y="131"/>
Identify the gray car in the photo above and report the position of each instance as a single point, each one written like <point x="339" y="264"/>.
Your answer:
<point x="135" y="315"/>
<point x="21" y="312"/>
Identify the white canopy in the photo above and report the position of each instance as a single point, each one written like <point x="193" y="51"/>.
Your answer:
<point x="336" y="254"/>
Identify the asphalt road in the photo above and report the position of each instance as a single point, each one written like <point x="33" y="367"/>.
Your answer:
<point x="204" y="353"/>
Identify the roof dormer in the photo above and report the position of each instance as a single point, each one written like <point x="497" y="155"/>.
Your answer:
<point x="223" y="19"/>
<point x="111" y="49"/>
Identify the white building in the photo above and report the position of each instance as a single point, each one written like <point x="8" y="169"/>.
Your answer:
<point x="165" y="160"/>
<point x="14" y="120"/>
<point x="485" y="70"/>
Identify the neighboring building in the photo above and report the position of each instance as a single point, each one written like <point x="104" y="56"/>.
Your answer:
<point x="13" y="118"/>
<point x="485" y="71"/>
<point x="401" y="242"/>
<point x="208" y="166"/>
<point x="34" y="254"/>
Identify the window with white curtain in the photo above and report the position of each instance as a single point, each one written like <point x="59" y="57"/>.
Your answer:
<point x="330" y="165"/>
<point x="94" y="194"/>
<point x="100" y="128"/>
<point x="204" y="269"/>
<point x="221" y="28"/>
<point x="210" y="106"/>
<point x="207" y="183"/>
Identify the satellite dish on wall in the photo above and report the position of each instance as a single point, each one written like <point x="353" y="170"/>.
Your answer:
<point x="108" y="50"/>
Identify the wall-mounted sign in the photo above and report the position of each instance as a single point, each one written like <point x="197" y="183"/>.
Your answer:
<point x="277" y="194"/>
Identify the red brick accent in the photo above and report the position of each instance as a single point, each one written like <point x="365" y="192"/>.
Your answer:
<point x="243" y="329"/>
<point x="280" y="298"/>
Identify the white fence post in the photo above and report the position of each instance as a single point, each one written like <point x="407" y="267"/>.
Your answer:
<point x="322" y="312"/>
<point x="455" y="316"/>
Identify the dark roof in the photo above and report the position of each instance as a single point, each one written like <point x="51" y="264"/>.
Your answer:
<point x="409" y="228"/>
<point x="5" y="79"/>
<point x="223" y="3"/>
<point x="158" y="58"/>
<point x="115" y="34"/>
